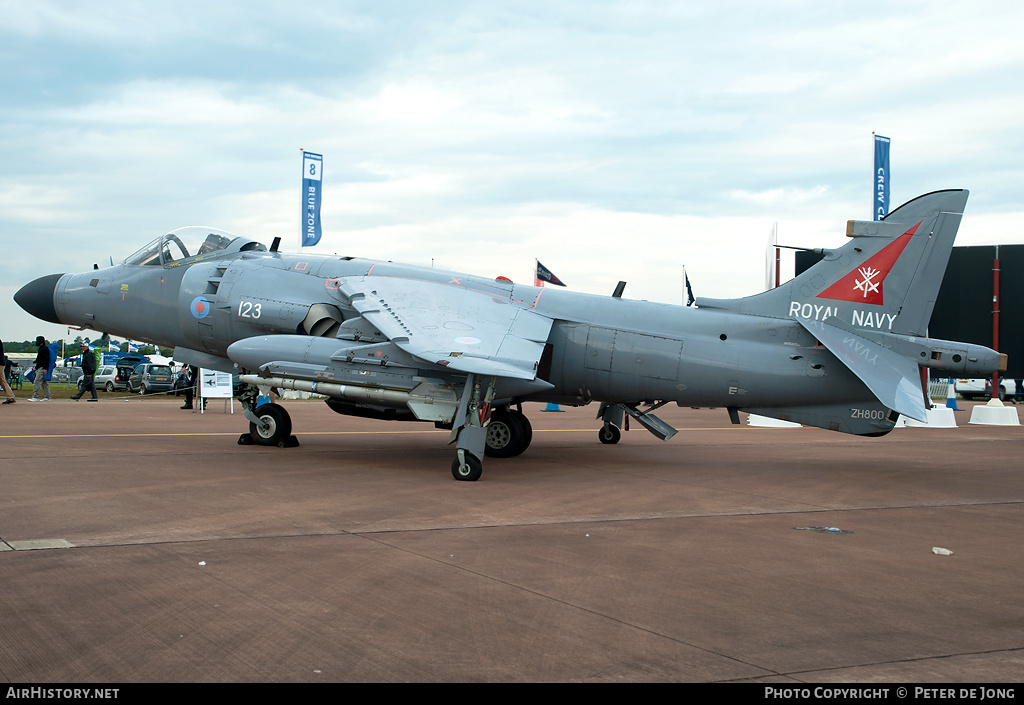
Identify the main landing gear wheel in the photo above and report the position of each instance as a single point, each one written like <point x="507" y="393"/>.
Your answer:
<point x="275" y="425"/>
<point x="508" y="434"/>
<point x="468" y="469"/>
<point x="527" y="429"/>
<point x="609" y="435"/>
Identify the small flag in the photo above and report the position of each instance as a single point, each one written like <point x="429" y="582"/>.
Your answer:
<point x="113" y="347"/>
<point x="689" y="291"/>
<point x="132" y="347"/>
<point x="544" y="275"/>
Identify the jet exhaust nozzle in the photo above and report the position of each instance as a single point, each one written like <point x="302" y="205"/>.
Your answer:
<point x="37" y="297"/>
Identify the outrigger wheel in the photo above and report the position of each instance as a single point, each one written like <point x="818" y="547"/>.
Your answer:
<point x="610" y="434"/>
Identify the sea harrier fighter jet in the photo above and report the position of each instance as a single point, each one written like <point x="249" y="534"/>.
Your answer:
<point x="839" y="347"/>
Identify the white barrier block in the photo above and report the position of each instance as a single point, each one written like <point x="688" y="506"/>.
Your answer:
<point x="995" y="414"/>
<point x="938" y="417"/>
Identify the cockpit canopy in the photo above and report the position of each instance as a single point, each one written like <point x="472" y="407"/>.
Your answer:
<point x="190" y="242"/>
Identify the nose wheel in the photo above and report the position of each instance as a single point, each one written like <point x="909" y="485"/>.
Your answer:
<point x="274" y="427"/>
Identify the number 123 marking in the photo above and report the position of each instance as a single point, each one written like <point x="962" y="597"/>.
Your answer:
<point x="247" y="309"/>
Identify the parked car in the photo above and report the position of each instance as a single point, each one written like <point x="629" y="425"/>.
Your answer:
<point x="148" y="378"/>
<point x="981" y="389"/>
<point x="67" y="375"/>
<point x="125" y="366"/>
<point x="180" y="383"/>
<point x="105" y="375"/>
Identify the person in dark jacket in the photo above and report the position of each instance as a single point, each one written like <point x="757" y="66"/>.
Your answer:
<point x="42" y="367"/>
<point x="3" y="376"/>
<point x="88" y="373"/>
<point x="191" y="375"/>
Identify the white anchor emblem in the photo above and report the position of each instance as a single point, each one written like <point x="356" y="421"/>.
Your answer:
<point x="867" y="285"/>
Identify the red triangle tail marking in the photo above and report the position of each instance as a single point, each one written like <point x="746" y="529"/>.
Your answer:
<point x="864" y="284"/>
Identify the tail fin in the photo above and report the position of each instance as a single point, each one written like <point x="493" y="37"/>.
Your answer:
<point x="885" y="279"/>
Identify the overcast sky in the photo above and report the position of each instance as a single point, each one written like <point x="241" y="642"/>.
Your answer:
<point x="609" y="140"/>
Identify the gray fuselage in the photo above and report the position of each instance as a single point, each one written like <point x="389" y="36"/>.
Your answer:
<point x="600" y="348"/>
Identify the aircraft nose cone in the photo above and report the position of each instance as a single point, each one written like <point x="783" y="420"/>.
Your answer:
<point x="36" y="297"/>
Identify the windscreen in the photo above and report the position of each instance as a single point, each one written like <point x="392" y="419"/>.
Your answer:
<point x="180" y="244"/>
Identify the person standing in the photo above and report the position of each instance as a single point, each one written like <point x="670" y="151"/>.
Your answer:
<point x="191" y="376"/>
<point x="88" y="373"/>
<point x="42" y="367"/>
<point x="3" y="376"/>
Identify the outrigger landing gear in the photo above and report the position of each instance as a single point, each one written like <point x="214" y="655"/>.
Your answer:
<point x="612" y="415"/>
<point x="617" y="415"/>
<point x="610" y="434"/>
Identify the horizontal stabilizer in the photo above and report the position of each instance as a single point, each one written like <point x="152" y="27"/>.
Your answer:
<point x="891" y="377"/>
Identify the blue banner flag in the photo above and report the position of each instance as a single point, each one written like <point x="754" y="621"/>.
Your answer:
<point x="312" y="166"/>
<point x="882" y="178"/>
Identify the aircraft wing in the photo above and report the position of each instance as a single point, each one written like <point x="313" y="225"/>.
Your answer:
<point x="453" y="326"/>
<point x="891" y="377"/>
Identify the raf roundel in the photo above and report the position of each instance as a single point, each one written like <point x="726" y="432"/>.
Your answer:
<point x="201" y="307"/>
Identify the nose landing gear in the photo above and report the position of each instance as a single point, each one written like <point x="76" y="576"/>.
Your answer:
<point x="269" y="424"/>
